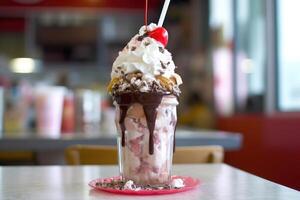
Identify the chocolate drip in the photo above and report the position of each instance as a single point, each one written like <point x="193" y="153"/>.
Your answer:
<point x="123" y="111"/>
<point x="150" y="113"/>
<point x="150" y="102"/>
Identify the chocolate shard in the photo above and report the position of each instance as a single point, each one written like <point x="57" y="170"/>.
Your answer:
<point x="163" y="65"/>
<point x="141" y="37"/>
<point x="161" y="50"/>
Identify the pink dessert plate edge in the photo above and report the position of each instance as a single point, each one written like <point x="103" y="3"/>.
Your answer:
<point x="189" y="184"/>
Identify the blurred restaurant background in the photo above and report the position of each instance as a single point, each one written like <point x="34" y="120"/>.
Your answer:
<point x="239" y="61"/>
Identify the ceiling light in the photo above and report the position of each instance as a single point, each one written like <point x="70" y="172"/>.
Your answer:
<point x="23" y="65"/>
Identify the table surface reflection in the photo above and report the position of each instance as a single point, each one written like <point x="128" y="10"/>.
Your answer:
<point x="218" y="182"/>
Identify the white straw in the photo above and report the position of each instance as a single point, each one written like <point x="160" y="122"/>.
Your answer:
<point x="163" y="13"/>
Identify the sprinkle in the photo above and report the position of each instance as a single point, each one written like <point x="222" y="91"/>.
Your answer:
<point x="133" y="48"/>
<point x="147" y="43"/>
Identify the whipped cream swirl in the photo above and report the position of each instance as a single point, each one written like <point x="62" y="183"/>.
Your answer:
<point x="146" y="55"/>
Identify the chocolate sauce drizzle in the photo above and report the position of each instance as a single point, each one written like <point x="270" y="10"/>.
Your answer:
<point x="150" y="102"/>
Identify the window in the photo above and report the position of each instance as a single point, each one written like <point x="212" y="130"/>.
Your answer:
<point x="250" y="55"/>
<point x="288" y="30"/>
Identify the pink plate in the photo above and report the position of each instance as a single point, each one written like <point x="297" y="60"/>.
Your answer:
<point x="189" y="182"/>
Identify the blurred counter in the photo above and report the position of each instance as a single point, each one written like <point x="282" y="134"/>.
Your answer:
<point x="230" y="141"/>
<point x="50" y="150"/>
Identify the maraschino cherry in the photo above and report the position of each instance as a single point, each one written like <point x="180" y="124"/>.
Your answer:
<point x="160" y="34"/>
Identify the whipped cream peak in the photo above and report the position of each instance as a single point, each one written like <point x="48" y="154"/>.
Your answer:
<point x="146" y="55"/>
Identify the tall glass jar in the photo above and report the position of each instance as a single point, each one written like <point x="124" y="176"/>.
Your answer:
<point x="145" y="156"/>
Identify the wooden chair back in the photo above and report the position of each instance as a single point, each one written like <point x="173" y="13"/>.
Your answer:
<point x="198" y="154"/>
<point x="107" y="155"/>
<point x="91" y="154"/>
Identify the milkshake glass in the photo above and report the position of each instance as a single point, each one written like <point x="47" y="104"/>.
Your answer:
<point x="146" y="125"/>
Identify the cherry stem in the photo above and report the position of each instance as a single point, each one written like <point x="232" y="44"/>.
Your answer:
<point x="146" y="13"/>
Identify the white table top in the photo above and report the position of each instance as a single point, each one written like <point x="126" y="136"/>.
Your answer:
<point x="219" y="182"/>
